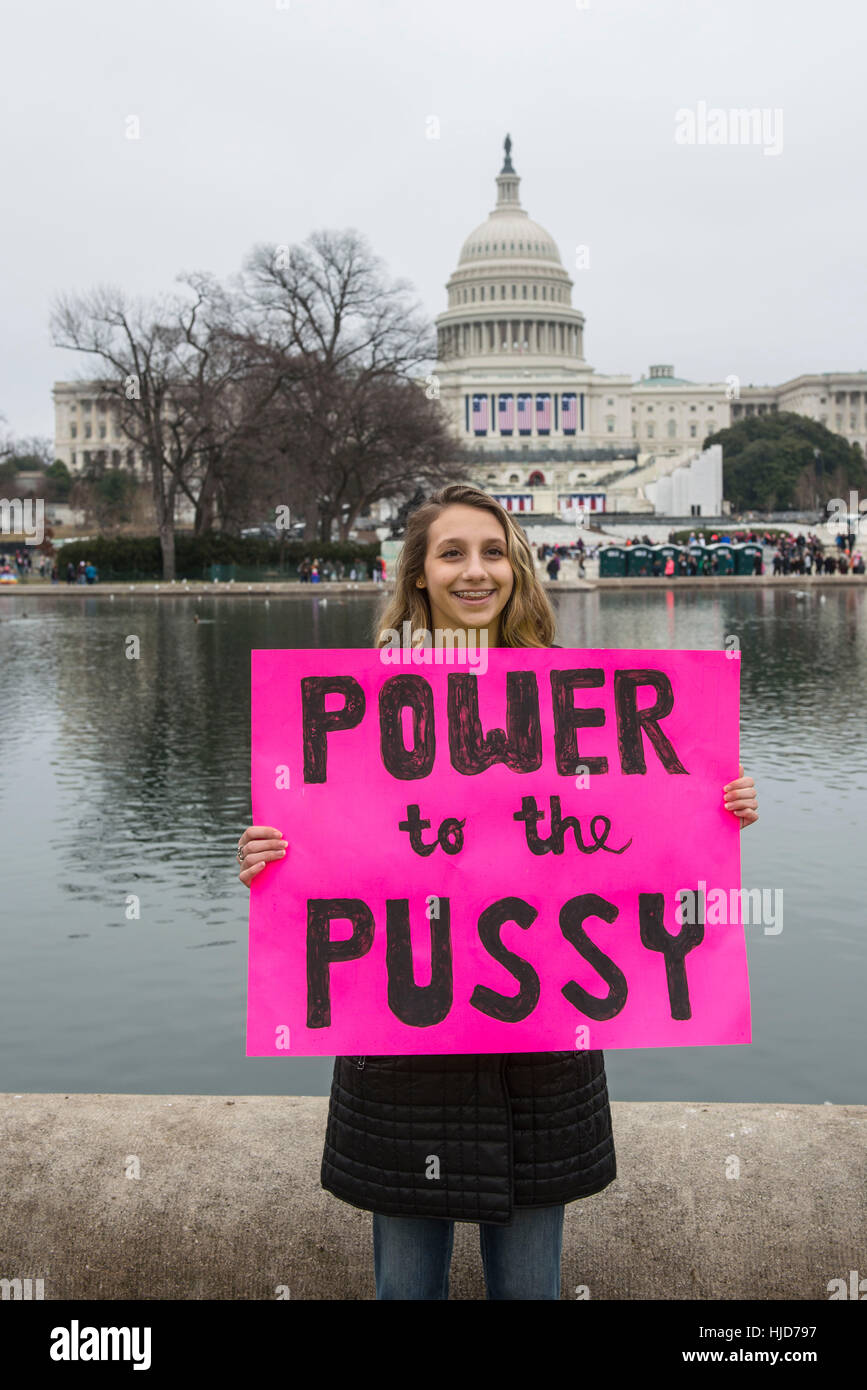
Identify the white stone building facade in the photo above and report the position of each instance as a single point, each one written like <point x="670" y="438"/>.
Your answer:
<point x="87" y="426"/>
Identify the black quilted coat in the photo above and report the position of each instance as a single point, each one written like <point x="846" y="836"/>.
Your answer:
<point x="468" y="1137"/>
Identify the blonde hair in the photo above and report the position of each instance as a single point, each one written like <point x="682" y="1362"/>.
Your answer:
<point x="527" y="620"/>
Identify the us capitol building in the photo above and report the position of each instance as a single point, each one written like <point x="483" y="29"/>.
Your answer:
<point x="543" y="431"/>
<point x="537" y="426"/>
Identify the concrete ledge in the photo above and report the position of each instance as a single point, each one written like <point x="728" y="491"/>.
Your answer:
<point x="224" y="589"/>
<point x="227" y="1204"/>
<point x="291" y="589"/>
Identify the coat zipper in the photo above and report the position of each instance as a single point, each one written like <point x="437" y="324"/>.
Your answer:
<point x="511" y="1156"/>
<point x="360" y="1063"/>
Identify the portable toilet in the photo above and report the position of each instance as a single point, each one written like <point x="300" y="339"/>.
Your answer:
<point x="697" y="552"/>
<point x="639" y="561"/>
<point x="612" y="562"/>
<point x="675" y="551"/>
<point x="724" y="557"/>
<point x="745" y="557"/>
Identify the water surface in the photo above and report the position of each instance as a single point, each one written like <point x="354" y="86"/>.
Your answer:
<point x="127" y="779"/>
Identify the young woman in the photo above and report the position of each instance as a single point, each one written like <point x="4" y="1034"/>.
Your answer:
<point x="517" y="1136"/>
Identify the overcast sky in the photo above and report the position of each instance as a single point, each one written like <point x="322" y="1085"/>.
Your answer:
<point x="262" y="120"/>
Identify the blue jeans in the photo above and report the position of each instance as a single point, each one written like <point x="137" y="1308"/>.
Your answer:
<point x="412" y="1255"/>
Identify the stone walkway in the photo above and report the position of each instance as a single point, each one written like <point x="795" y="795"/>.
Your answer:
<point x="711" y="1201"/>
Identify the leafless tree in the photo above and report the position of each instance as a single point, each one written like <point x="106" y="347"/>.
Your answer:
<point x="142" y="352"/>
<point x="360" y="425"/>
<point x="388" y="441"/>
<point x="173" y="371"/>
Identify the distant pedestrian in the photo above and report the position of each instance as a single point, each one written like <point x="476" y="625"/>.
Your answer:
<point x="553" y="567"/>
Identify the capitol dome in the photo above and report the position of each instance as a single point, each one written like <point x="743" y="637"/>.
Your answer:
<point x="510" y="292"/>
<point x="509" y="235"/>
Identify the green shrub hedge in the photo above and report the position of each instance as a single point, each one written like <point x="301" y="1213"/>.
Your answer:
<point x="140" y="557"/>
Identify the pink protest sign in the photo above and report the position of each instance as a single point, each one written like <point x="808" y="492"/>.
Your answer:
<point x="514" y="857"/>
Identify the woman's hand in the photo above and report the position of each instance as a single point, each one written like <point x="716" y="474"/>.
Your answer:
<point x="740" y="797"/>
<point x="259" y="844"/>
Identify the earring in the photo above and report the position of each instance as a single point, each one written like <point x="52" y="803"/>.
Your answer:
<point x="420" y="583"/>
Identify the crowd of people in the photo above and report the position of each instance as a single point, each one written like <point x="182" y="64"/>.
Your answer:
<point x="792" y="554"/>
<point x="21" y="564"/>
<point x="766" y="538"/>
<point x="316" y="571"/>
<point x="806" y="555"/>
<point x="556" y="554"/>
<point x="86" y="573"/>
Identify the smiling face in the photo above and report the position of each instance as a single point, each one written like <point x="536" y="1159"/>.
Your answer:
<point x="467" y="572"/>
